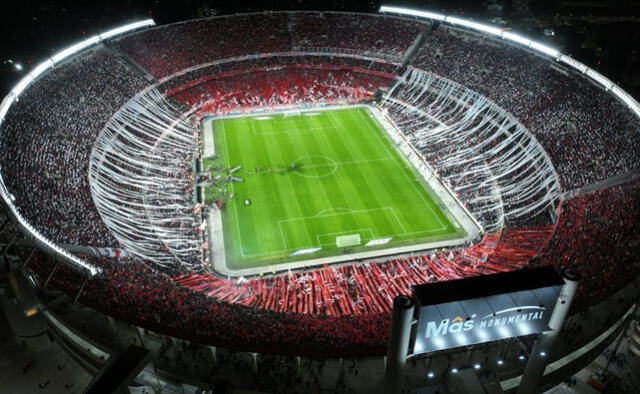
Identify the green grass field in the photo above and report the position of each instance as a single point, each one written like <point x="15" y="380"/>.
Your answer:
<point x="315" y="176"/>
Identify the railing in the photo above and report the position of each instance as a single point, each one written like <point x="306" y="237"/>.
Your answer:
<point x="346" y="51"/>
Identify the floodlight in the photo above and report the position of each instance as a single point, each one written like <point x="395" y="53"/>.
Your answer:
<point x="408" y="11"/>
<point x="544" y="49"/>
<point x="125" y="28"/>
<point x="474" y="25"/>
<point x="40" y="68"/>
<point x="21" y="86"/>
<point x="74" y="48"/>
<point x="516" y="38"/>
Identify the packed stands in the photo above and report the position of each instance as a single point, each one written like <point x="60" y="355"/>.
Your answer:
<point x="201" y="74"/>
<point x="588" y="135"/>
<point x="597" y="234"/>
<point x="47" y="139"/>
<point x="172" y="48"/>
<point x="333" y="311"/>
<point x="279" y="87"/>
<point x="382" y="37"/>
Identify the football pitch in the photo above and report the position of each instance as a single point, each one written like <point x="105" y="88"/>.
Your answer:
<point x="309" y="181"/>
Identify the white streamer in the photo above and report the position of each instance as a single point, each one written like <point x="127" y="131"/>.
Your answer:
<point x="142" y="181"/>
<point x="483" y="154"/>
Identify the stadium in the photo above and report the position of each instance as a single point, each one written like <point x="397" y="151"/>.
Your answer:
<point x="270" y="182"/>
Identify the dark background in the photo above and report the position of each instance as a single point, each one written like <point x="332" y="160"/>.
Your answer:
<point x="605" y="35"/>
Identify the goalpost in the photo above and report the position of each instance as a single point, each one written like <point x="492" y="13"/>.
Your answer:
<point x="344" y="241"/>
<point x="291" y="113"/>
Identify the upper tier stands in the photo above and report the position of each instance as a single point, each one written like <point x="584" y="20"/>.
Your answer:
<point x="47" y="139"/>
<point x="199" y="75"/>
<point x="169" y="49"/>
<point x="383" y="37"/>
<point x="588" y="134"/>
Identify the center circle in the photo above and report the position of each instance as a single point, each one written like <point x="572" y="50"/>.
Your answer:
<point x="315" y="166"/>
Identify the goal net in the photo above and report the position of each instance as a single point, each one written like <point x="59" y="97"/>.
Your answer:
<point x="347" y="240"/>
<point x="291" y="113"/>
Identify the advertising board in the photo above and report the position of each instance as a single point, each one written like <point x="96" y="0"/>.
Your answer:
<point x="485" y="308"/>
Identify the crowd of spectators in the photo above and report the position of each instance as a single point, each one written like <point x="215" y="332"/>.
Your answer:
<point x="333" y="310"/>
<point x="145" y="192"/>
<point x="169" y="49"/>
<point x="597" y="235"/>
<point x="47" y="138"/>
<point x="369" y="34"/>
<point x="202" y="74"/>
<point x="48" y="135"/>
<point x="370" y="287"/>
<point x="472" y="146"/>
<point x="587" y="133"/>
<point x="294" y="85"/>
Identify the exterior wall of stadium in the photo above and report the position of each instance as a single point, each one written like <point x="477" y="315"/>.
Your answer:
<point x="603" y="333"/>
